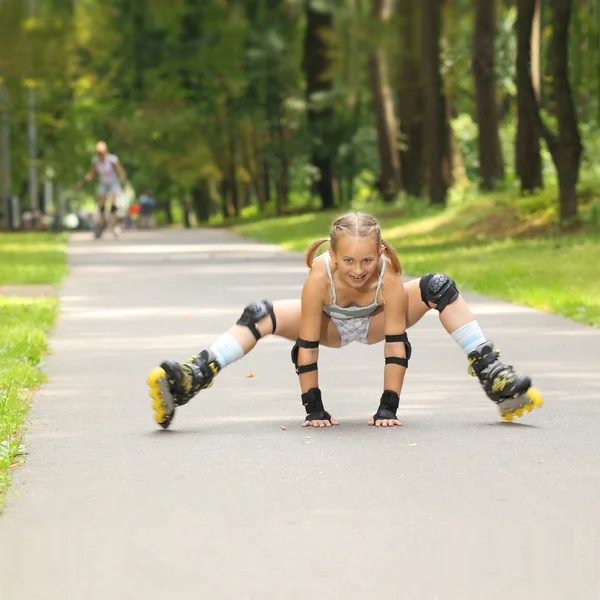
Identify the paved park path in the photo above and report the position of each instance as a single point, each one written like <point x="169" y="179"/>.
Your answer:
<point x="237" y="501"/>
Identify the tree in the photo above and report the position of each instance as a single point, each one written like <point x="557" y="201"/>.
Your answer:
<point x="319" y="85"/>
<point x="528" y="158"/>
<point x="390" y="176"/>
<point x="436" y="121"/>
<point x="411" y="97"/>
<point x="491" y="166"/>
<point x="565" y="147"/>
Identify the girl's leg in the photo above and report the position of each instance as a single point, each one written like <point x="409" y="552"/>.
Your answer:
<point x="174" y="384"/>
<point x="509" y="389"/>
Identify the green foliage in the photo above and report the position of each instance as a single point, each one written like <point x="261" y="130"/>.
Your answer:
<point x="187" y="92"/>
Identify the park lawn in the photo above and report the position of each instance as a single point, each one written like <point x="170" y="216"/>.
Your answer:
<point x="24" y="323"/>
<point x="35" y="257"/>
<point x="506" y="248"/>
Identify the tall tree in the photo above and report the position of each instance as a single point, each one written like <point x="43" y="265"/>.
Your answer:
<point x="319" y="84"/>
<point x="565" y="147"/>
<point x="436" y="118"/>
<point x="491" y="166"/>
<point x="411" y="97"/>
<point x="389" y="182"/>
<point x="528" y="157"/>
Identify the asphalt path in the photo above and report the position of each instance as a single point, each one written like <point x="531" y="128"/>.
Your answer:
<point x="236" y="500"/>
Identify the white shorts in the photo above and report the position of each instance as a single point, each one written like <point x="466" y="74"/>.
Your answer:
<point x="353" y="330"/>
<point x="104" y="189"/>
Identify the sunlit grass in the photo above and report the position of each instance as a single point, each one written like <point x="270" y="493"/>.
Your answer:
<point x="24" y="323"/>
<point x="34" y="257"/>
<point x="25" y="258"/>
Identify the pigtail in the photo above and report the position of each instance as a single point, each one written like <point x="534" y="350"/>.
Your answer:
<point x="309" y="256"/>
<point x="391" y="254"/>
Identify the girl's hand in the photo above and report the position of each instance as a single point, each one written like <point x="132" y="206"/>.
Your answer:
<point x="320" y="423"/>
<point x="385" y="422"/>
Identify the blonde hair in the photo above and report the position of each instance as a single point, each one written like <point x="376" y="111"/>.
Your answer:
<point x="355" y="224"/>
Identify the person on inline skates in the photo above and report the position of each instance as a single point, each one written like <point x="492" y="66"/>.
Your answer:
<point x="109" y="171"/>
<point x="353" y="293"/>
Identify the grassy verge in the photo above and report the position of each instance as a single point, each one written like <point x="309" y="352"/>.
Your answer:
<point x="32" y="258"/>
<point x="24" y="323"/>
<point x="500" y="246"/>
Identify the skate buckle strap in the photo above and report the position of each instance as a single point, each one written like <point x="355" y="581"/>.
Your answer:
<point x="481" y="363"/>
<point x="388" y="406"/>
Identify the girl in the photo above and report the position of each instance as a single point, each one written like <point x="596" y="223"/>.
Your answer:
<point x="353" y="293"/>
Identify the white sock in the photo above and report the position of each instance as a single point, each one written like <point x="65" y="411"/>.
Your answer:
<point x="226" y="350"/>
<point x="469" y="336"/>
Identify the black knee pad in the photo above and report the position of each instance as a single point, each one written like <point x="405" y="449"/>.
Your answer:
<point x="439" y="289"/>
<point x="253" y="313"/>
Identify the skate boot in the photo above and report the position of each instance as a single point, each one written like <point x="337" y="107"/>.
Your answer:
<point x="175" y="384"/>
<point x="511" y="391"/>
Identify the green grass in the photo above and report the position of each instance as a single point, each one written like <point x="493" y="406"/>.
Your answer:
<point x="36" y="257"/>
<point x="505" y="247"/>
<point x="24" y="324"/>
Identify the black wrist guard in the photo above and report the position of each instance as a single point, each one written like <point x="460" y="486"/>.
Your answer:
<point x="388" y="405"/>
<point x="314" y="406"/>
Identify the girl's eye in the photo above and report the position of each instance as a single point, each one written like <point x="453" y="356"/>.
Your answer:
<point x="367" y="260"/>
<point x="348" y="260"/>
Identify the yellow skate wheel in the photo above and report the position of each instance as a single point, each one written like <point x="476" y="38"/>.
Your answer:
<point x="159" y="416"/>
<point x="535" y="396"/>
<point x="154" y="375"/>
<point x="508" y="417"/>
<point x="157" y="401"/>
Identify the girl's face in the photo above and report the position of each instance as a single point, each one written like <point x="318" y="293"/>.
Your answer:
<point x="356" y="258"/>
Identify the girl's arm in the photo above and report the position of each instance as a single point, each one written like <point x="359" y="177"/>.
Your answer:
<point x="396" y="351"/>
<point x="310" y="331"/>
<point x="306" y="351"/>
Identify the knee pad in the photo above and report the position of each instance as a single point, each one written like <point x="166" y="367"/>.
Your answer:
<point x="300" y="343"/>
<point x="253" y="313"/>
<point x="439" y="289"/>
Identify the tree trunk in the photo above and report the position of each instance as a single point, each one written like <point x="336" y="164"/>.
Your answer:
<point x="185" y="209"/>
<point x="266" y="181"/>
<point x="282" y="179"/>
<point x="436" y="129"/>
<point x="316" y="67"/>
<point x="491" y="167"/>
<point x="565" y="147"/>
<point x="536" y="50"/>
<point x="389" y="160"/>
<point x="529" y="161"/>
<point x="201" y="201"/>
<point x="411" y="98"/>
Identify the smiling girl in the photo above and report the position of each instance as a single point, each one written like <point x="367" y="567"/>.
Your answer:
<point x="353" y="293"/>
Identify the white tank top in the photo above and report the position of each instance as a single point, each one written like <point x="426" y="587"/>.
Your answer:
<point x="106" y="169"/>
